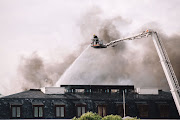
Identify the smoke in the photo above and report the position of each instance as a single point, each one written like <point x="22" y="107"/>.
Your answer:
<point x="172" y="46"/>
<point x="130" y="62"/>
<point x="34" y="72"/>
<point x="27" y="29"/>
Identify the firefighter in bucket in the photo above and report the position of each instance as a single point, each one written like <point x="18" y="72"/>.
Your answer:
<point x="97" y="43"/>
<point x="95" y="40"/>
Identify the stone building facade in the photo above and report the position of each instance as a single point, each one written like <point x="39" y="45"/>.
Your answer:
<point x="78" y="99"/>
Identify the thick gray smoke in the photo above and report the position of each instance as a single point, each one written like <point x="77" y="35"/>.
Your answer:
<point x="172" y="46"/>
<point x="35" y="73"/>
<point x="131" y="62"/>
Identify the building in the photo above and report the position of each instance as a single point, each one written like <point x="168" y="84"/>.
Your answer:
<point x="68" y="101"/>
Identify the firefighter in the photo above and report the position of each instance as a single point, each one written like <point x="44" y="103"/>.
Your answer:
<point x="95" y="38"/>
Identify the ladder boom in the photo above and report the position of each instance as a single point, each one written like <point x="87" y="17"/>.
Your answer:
<point x="165" y="62"/>
<point x="168" y="70"/>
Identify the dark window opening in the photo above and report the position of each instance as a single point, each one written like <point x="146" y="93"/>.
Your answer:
<point x="163" y="110"/>
<point x="81" y="109"/>
<point x="102" y="110"/>
<point x="120" y="110"/>
<point x="143" y="110"/>
<point x="38" y="111"/>
<point x="108" y="90"/>
<point x="87" y="90"/>
<point x="60" y="111"/>
<point x="15" y="111"/>
<point x="101" y="90"/>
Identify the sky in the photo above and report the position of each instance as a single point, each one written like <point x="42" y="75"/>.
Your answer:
<point x="52" y="29"/>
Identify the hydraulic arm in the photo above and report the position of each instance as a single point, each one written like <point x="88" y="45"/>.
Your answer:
<point x="168" y="70"/>
<point x="165" y="62"/>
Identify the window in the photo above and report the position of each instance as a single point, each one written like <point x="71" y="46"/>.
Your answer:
<point x="163" y="110"/>
<point x="102" y="110"/>
<point x="120" y="110"/>
<point x="79" y="90"/>
<point x="81" y="109"/>
<point x="16" y="111"/>
<point x="38" y="111"/>
<point x="114" y="90"/>
<point x="60" y="111"/>
<point x="143" y="110"/>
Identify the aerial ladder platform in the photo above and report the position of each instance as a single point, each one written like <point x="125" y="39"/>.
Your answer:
<point x="164" y="59"/>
